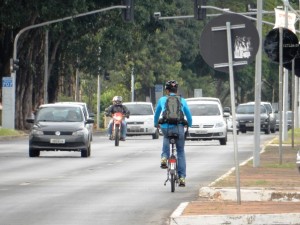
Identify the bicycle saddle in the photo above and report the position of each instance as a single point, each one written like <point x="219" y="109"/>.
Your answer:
<point x="173" y="135"/>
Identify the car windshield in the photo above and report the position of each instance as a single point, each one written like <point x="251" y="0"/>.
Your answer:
<point x="288" y="113"/>
<point x="204" y="109"/>
<point x="140" y="109"/>
<point x="268" y="107"/>
<point x="249" y="109"/>
<point x="60" y="114"/>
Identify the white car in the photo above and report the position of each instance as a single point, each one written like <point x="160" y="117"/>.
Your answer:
<point x="208" y="121"/>
<point x="141" y="120"/>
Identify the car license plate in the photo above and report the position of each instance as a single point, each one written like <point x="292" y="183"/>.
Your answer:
<point x="201" y="132"/>
<point x="135" y="127"/>
<point x="249" y="124"/>
<point x="57" y="141"/>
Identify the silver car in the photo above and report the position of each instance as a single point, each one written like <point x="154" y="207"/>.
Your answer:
<point x="60" y="127"/>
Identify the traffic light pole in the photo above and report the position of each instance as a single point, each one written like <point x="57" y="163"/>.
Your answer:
<point x="13" y="72"/>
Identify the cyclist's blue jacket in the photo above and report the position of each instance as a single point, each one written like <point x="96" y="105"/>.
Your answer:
<point x="160" y="107"/>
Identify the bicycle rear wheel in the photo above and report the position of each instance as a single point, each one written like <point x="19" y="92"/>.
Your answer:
<point x="173" y="180"/>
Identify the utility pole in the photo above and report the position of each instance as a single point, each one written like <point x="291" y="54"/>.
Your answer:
<point x="132" y="84"/>
<point x="46" y="67"/>
<point x="256" y="152"/>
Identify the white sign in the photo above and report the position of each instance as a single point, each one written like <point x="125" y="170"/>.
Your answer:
<point x="197" y="93"/>
<point x="280" y="19"/>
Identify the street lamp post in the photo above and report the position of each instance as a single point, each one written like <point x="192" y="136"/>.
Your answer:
<point x="11" y="124"/>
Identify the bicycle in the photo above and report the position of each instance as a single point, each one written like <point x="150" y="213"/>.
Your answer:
<point x="172" y="174"/>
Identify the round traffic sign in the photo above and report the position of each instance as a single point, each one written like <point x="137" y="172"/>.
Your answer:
<point x="213" y="41"/>
<point x="289" y="45"/>
<point x="297" y="64"/>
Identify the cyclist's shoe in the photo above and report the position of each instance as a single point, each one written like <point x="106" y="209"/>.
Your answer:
<point x="164" y="163"/>
<point x="110" y="137"/>
<point x="122" y="139"/>
<point x="181" y="182"/>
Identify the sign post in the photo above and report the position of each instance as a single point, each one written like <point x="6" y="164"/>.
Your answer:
<point x="8" y="113"/>
<point x="228" y="51"/>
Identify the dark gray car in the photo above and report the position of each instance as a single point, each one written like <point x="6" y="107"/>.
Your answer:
<point x="245" y="118"/>
<point x="60" y="127"/>
<point x="271" y="112"/>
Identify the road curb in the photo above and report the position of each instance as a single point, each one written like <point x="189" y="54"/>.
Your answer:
<point x="251" y="194"/>
<point x="233" y="219"/>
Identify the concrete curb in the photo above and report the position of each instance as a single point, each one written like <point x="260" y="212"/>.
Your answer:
<point x="251" y="194"/>
<point x="233" y="219"/>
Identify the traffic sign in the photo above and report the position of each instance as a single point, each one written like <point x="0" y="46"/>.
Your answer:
<point x="296" y="65"/>
<point x="7" y="82"/>
<point x="290" y="45"/>
<point x="213" y="42"/>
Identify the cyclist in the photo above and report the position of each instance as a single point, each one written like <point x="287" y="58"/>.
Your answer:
<point x="171" y="89"/>
<point x="117" y="107"/>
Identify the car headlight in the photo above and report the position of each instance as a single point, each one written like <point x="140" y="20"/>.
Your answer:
<point x="149" y="121"/>
<point x="266" y="120"/>
<point x="37" y="132"/>
<point x="78" y="133"/>
<point x="219" y="124"/>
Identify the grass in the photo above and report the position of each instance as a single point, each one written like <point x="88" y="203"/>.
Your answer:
<point x="283" y="165"/>
<point x="289" y="140"/>
<point x="10" y="132"/>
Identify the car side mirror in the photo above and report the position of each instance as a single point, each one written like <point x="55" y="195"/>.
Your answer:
<point x="90" y="121"/>
<point x="30" y="120"/>
<point x="226" y="114"/>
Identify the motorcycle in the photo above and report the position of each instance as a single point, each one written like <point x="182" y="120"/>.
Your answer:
<point x="117" y="127"/>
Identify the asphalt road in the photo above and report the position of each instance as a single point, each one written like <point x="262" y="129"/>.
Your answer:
<point x="116" y="186"/>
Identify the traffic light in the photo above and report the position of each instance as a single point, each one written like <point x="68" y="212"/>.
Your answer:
<point x="106" y="75"/>
<point x="251" y="7"/>
<point x="14" y="65"/>
<point x="128" y="15"/>
<point x="199" y="12"/>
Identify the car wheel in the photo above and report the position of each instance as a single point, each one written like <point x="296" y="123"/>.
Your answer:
<point x="89" y="150"/>
<point x="84" y="153"/>
<point x="155" y="135"/>
<point x="273" y="129"/>
<point x="223" y="141"/>
<point x="268" y="130"/>
<point x="34" y="152"/>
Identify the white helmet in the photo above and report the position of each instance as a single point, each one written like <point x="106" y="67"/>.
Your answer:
<point x="117" y="100"/>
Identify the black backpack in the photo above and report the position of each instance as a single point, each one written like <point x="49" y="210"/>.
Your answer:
<point x="173" y="113"/>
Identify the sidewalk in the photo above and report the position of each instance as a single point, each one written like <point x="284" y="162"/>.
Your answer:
<point x="270" y="194"/>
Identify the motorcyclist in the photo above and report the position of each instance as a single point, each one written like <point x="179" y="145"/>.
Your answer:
<point x="117" y="107"/>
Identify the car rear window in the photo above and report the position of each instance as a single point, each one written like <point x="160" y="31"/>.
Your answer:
<point x="140" y="109"/>
<point x="204" y="109"/>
